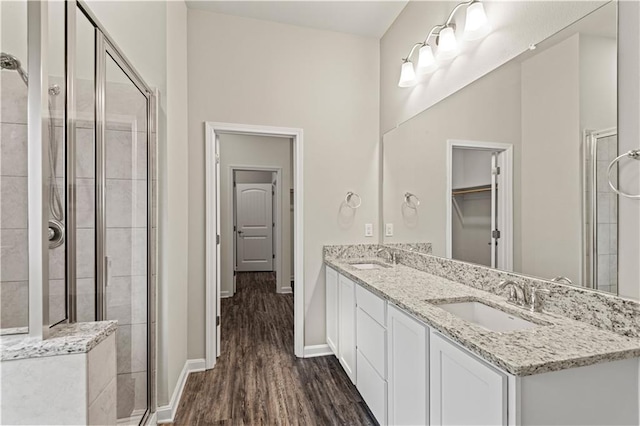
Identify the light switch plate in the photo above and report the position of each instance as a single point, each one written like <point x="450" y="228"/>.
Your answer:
<point x="368" y="229"/>
<point x="388" y="230"/>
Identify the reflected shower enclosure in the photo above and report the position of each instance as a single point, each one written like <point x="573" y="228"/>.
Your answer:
<point x="98" y="126"/>
<point x="600" y="206"/>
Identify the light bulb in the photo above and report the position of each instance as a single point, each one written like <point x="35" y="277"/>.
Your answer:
<point x="477" y="24"/>
<point x="447" y="44"/>
<point x="407" y="75"/>
<point x="426" y="60"/>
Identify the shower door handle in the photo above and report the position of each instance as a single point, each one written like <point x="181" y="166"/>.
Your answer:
<point x="107" y="267"/>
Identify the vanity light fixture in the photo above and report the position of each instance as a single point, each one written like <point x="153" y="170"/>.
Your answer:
<point x="447" y="43"/>
<point x="476" y="27"/>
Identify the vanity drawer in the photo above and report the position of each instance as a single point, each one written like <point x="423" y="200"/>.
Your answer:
<point x="371" y="340"/>
<point x="373" y="305"/>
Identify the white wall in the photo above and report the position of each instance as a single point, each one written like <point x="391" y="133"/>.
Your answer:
<point x="598" y="82"/>
<point x="255" y="151"/>
<point x="152" y="35"/>
<point x="257" y="72"/>
<point x="515" y="26"/>
<point x="628" y="137"/>
<point x="251" y="176"/>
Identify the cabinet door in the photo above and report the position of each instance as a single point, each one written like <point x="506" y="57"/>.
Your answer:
<point x="408" y="374"/>
<point x="347" y="326"/>
<point x="463" y="389"/>
<point x="331" y="284"/>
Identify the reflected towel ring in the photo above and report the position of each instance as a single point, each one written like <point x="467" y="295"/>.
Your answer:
<point x="411" y="200"/>
<point x="633" y="154"/>
<point x="350" y="202"/>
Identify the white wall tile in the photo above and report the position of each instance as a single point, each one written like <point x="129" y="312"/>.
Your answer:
<point x="13" y="145"/>
<point x="132" y="393"/>
<point x="14" y="304"/>
<point x="14" y="197"/>
<point x="13" y="108"/>
<point x="14" y="255"/>
<point x="46" y="390"/>
<point x="102" y="367"/>
<point x="104" y="410"/>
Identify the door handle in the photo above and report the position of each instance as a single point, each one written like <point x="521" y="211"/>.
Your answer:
<point x="240" y="233"/>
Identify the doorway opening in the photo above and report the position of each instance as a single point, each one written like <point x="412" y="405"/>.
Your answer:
<point x="262" y="221"/>
<point x="480" y="203"/>
<point x="254" y="246"/>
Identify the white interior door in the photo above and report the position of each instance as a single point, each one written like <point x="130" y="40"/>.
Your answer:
<point x="254" y="227"/>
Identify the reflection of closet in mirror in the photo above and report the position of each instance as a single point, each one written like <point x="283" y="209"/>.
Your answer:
<point x="478" y="209"/>
<point x="600" y="206"/>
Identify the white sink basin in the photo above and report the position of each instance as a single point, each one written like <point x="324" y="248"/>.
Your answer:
<point x="369" y="265"/>
<point x="487" y="317"/>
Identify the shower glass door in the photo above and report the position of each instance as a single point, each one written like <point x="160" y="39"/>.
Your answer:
<point x="126" y="212"/>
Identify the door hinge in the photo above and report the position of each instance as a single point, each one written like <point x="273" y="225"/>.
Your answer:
<point x="217" y="158"/>
<point x="218" y="239"/>
<point x="218" y="320"/>
<point x="273" y="224"/>
<point x="495" y="234"/>
<point x="234" y="228"/>
<point x="273" y="256"/>
<point x="496" y="170"/>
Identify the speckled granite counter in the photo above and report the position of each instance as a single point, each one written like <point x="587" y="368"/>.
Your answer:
<point x="64" y="339"/>
<point x="558" y="343"/>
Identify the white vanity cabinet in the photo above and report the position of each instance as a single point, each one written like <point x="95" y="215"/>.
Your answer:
<point x="331" y="297"/>
<point x="410" y="374"/>
<point x="407" y="369"/>
<point x="347" y="326"/>
<point x="464" y="389"/>
<point x="371" y="338"/>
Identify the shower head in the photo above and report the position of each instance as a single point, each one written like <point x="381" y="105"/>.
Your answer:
<point x="11" y="63"/>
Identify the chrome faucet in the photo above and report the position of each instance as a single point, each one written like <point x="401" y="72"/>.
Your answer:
<point x="517" y="293"/>
<point x="519" y="296"/>
<point x="562" y="279"/>
<point x="391" y="255"/>
<point x="536" y="304"/>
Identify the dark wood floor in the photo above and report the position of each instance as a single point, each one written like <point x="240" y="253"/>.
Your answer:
<point x="257" y="379"/>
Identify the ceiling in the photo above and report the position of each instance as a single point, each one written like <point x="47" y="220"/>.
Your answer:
<point x="364" y="18"/>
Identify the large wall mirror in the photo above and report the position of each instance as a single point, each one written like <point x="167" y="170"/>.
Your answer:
<point x="511" y="171"/>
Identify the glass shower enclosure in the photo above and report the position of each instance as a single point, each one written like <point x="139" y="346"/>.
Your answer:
<point x="600" y="206"/>
<point x="77" y="178"/>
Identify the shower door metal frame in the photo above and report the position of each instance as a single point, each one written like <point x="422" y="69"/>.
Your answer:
<point x="104" y="46"/>
<point x="38" y="171"/>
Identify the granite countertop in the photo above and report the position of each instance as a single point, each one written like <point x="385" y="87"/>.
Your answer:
<point x="556" y="344"/>
<point x="64" y="339"/>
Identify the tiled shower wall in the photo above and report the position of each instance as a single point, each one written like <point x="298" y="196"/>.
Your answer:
<point x="14" y="272"/>
<point x="607" y="216"/>
<point x="126" y="212"/>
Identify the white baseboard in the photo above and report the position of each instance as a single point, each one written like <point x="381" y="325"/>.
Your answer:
<point x="285" y="290"/>
<point x="317" y="350"/>
<point x="225" y="294"/>
<point x="166" y="413"/>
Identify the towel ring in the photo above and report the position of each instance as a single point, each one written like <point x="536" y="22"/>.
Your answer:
<point x="411" y="200"/>
<point x="349" y="200"/>
<point x="633" y="154"/>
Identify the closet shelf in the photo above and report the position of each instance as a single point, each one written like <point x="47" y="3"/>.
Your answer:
<point x="471" y="190"/>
